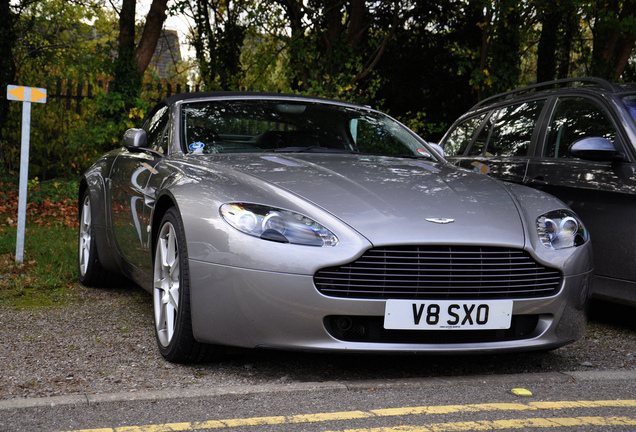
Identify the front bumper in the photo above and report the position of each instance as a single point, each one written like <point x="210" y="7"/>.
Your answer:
<point x="249" y="308"/>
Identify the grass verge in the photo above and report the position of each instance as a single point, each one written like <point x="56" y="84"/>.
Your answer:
<point x="50" y="261"/>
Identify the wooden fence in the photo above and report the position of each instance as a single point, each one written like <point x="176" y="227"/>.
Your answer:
<point x="73" y="92"/>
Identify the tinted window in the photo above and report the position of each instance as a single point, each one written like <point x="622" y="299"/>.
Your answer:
<point x="512" y="129"/>
<point x="461" y="136"/>
<point x="573" y="120"/>
<point x="481" y="140"/>
<point x="630" y="103"/>
<point x="156" y="130"/>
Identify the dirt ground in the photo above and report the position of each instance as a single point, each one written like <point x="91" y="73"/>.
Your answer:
<point x="101" y="341"/>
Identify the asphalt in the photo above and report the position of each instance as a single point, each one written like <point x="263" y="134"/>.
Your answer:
<point x="181" y="394"/>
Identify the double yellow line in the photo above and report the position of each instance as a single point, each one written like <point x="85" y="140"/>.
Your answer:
<point x="423" y="410"/>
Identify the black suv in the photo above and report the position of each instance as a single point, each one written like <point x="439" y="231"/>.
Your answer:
<point x="576" y="139"/>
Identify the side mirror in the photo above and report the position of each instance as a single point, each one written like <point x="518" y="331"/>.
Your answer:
<point x="595" y="149"/>
<point x="438" y="148"/>
<point x="135" y="139"/>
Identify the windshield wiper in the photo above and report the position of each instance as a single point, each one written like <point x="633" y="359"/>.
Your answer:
<point x="417" y="156"/>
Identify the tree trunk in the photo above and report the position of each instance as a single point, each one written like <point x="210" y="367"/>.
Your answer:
<point x="625" y="45"/>
<point x="127" y="81"/>
<point x="623" y="53"/>
<point x="151" y="34"/>
<point x="571" y="22"/>
<point x="612" y="43"/>
<point x="546" y="51"/>
<point x="295" y="14"/>
<point x="8" y="39"/>
<point x="127" y="26"/>
<point x="485" y="43"/>
<point x="333" y="23"/>
<point x="357" y="26"/>
<point x="131" y="62"/>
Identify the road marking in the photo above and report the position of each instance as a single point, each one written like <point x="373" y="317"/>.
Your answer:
<point x="507" y="424"/>
<point x="423" y="410"/>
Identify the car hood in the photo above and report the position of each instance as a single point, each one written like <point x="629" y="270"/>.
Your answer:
<point x="391" y="200"/>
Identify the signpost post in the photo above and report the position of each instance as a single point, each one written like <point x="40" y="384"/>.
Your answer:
<point x="26" y="95"/>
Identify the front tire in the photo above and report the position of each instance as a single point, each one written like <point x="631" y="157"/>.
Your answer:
<point x="171" y="296"/>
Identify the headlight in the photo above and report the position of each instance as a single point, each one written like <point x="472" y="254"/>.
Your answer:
<point x="276" y="224"/>
<point x="560" y="230"/>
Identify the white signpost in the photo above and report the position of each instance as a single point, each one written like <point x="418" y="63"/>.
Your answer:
<point x="26" y="95"/>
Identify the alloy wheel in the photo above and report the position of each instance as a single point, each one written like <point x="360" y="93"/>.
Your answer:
<point x="85" y="237"/>
<point x="166" y="284"/>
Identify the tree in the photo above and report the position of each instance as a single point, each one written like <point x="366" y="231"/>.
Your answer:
<point x="56" y="41"/>
<point x="559" y="29"/>
<point x="506" y="45"/>
<point x="614" y="29"/>
<point x="221" y="26"/>
<point x="133" y="58"/>
<point x="326" y="47"/>
<point x="8" y="39"/>
<point x="335" y="45"/>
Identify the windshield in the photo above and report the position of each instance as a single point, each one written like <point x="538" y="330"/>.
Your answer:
<point x="239" y="126"/>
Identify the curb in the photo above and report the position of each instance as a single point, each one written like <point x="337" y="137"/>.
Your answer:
<point x="479" y="380"/>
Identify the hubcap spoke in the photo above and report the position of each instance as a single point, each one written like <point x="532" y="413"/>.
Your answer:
<point x="166" y="284"/>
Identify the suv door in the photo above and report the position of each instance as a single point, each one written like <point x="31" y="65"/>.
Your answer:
<point x="503" y="143"/>
<point x="603" y="194"/>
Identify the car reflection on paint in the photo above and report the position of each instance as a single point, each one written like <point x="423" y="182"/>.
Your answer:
<point x="278" y="221"/>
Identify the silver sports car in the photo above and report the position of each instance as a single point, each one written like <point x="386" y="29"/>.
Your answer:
<point x="269" y="220"/>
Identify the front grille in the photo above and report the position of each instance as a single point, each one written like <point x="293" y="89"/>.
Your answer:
<point x="440" y="272"/>
<point x="371" y="329"/>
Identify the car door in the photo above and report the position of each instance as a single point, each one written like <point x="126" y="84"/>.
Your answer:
<point x="602" y="193"/>
<point x="130" y="197"/>
<point x="502" y="145"/>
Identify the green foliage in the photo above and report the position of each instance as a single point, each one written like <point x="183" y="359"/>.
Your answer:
<point x="56" y="44"/>
<point x="64" y="142"/>
<point x="506" y="46"/>
<point x="340" y="86"/>
<point x="218" y="41"/>
<point x="53" y="191"/>
<point x="263" y="60"/>
<point x="62" y="53"/>
<point x="127" y="82"/>
<point x="334" y="75"/>
<point x="419" y="124"/>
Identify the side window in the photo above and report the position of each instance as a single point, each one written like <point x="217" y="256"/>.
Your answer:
<point x="462" y="135"/>
<point x="512" y="129"/>
<point x="482" y="139"/>
<point x="576" y="118"/>
<point x="156" y="129"/>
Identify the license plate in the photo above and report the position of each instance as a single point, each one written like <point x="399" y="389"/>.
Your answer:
<point x="447" y="315"/>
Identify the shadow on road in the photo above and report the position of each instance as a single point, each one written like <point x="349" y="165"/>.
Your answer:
<point x="613" y="314"/>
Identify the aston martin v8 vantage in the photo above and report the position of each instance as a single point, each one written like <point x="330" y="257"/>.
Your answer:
<point x="293" y="222"/>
